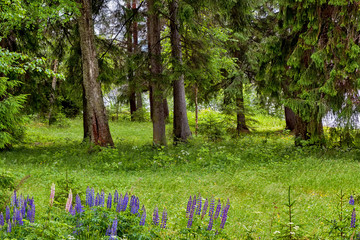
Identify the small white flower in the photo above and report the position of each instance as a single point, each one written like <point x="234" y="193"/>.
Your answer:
<point x="276" y="232"/>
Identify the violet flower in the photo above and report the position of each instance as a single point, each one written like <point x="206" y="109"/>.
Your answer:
<point x="164" y="219"/>
<point x="113" y="231"/>
<point x="143" y="216"/>
<point x="97" y="199"/>
<point x="225" y="214"/>
<point x="108" y="204"/>
<point x="156" y="216"/>
<point x="19" y="218"/>
<point x="190" y="221"/>
<point x="102" y="198"/>
<point x="2" y="223"/>
<point x="9" y="227"/>
<point x="351" y="201"/>
<point x="218" y="208"/>
<point x="188" y="208"/>
<point x="78" y="206"/>
<point x="199" y="203"/>
<point x="125" y="202"/>
<point x="7" y="216"/>
<point x="116" y="197"/>
<point x="353" y="218"/>
<point x="205" y="208"/>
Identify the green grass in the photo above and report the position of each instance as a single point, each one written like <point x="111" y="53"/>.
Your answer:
<point x="253" y="171"/>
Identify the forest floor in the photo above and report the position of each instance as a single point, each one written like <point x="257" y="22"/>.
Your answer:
<point x="253" y="171"/>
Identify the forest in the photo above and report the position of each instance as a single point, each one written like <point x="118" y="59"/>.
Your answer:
<point x="179" y="119"/>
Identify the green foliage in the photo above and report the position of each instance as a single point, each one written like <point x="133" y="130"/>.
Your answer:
<point x="11" y="120"/>
<point x="6" y="186"/>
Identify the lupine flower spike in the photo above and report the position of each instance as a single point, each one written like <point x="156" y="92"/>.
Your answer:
<point x="205" y="208"/>
<point x="143" y="216"/>
<point x="116" y="197"/>
<point x="188" y="208"/>
<point x="224" y="214"/>
<point x="108" y="204"/>
<point x="69" y="201"/>
<point x="7" y="216"/>
<point x="199" y="203"/>
<point x="190" y="221"/>
<point x="353" y="218"/>
<point x="156" y="216"/>
<point x="9" y="227"/>
<point x="52" y="194"/>
<point x="218" y="208"/>
<point x="2" y="220"/>
<point x="113" y="231"/>
<point x="211" y="214"/>
<point x="351" y="201"/>
<point x="78" y="206"/>
<point x="164" y="219"/>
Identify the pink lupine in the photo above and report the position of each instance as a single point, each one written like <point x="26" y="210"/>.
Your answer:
<point x="52" y="194"/>
<point x="69" y="201"/>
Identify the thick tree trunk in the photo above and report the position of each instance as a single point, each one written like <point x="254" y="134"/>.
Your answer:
<point x="139" y="100"/>
<point x="181" y="125"/>
<point x="52" y="94"/>
<point x="131" y="79"/>
<point x="157" y="90"/>
<point x="310" y="131"/>
<point x="240" y="111"/>
<point x="99" y="132"/>
<point x="290" y="119"/>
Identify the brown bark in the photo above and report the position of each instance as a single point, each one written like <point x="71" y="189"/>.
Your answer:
<point x="129" y="43"/>
<point x="99" y="132"/>
<point x="157" y="90"/>
<point x="181" y="125"/>
<point x="52" y="95"/>
<point x="290" y="119"/>
<point x="310" y="131"/>
<point x="85" y="114"/>
<point x="240" y="111"/>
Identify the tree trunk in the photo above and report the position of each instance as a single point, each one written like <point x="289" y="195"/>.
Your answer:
<point x="99" y="132"/>
<point x="52" y="94"/>
<point x="85" y="115"/>
<point x="131" y="79"/>
<point x="157" y="90"/>
<point x="240" y="111"/>
<point x="139" y="102"/>
<point x="310" y="131"/>
<point x="290" y="119"/>
<point x="181" y="125"/>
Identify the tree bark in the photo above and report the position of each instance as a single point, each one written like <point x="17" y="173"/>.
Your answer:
<point x="52" y="94"/>
<point x="99" y="132"/>
<point x="290" y="119"/>
<point x="240" y="111"/>
<point x="85" y="114"/>
<point x="157" y="90"/>
<point x="310" y="131"/>
<point x="181" y="125"/>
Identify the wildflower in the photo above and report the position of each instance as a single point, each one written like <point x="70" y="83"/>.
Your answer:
<point x="125" y="202"/>
<point x="108" y="204"/>
<point x="7" y="213"/>
<point x="116" y="197"/>
<point x="143" y="216"/>
<point x="97" y="200"/>
<point x="14" y="200"/>
<point x="1" y="219"/>
<point x="188" y="208"/>
<point x="102" y="198"/>
<point x="353" y="218"/>
<point x="31" y="213"/>
<point x="9" y="227"/>
<point x="19" y="218"/>
<point x="156" y="216"/>
<point x="211" y="222"/>
<point x="211" y="214"/>
<point x="164" y="219"/>
<point x="23" y="209"/>
<point x="69" y="201"/>
<point x="218" y="208"/>
<point x="90" y="194"/>
<point x="224" y="214"/>
<point x="351" y="201"/>
<point x="205" y="208"/>
<point x="52" y="194"/>
<point x="78" y="206"/>
<point x="113" y="230"/>
<point x="72" y="211"/>
<point x="118" y="207"/>
<point x="190" y="221"/>
<point x="199" y="203"/>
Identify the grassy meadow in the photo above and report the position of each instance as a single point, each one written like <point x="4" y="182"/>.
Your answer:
<point x="254" y="171"/>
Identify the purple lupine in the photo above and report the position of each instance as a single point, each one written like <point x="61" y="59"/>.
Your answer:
<point x="2" y="220"/>
<point x="19" y="218"/>
<point x="14" y="200"/>
<point x="164" y="219"/>
<point x="224" y="214"/>
<point x="23" y="209"/>
<point x="116" y="197"/>
<point x="14" y="217"/>
<point x="90" y="197"/>
<point x="97" y="199"/>
<point x="72" y="210"/>
<point x="7" y="216"/>
<point x="108" y="204"/>
<point x="143" y="216"/>
<point x="211" y="214"/>
<point x="351" y="201"/>
<point x="191" y="216"/>
<point x="9" y="227"/>
<point x="156" y="216"/>
<point x="353" y="218"/>
<point x="218" y="208"/>
<point x="31" y="212"/>
<point x="205" y="208"/>
<point x="118" y="206"/>
<point x="199" y="203"/>
<point x="78" y="206"/>
<point x="134" y="205"/>
<point x="102" y="198"/>
<point x="188" y="208"/>
<point x="125" y="202"/>
<point x="113" y="231"/>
